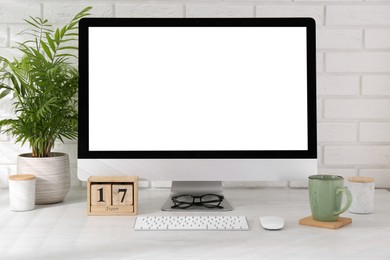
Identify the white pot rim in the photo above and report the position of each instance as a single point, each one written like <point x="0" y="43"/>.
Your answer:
<point x="52" y="155"/>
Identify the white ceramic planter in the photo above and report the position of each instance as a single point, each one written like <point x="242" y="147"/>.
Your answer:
<point x="52" y="176"/>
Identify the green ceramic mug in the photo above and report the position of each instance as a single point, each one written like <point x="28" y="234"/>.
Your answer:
<point x="325" y="193"/>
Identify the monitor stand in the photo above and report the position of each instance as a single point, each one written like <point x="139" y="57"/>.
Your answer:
<point x="196" y="188"/>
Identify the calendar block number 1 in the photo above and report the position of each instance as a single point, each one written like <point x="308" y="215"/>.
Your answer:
<point x="101" y="194"/>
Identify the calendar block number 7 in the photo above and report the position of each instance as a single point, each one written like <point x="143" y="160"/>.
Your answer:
<point x="122" y="194"/>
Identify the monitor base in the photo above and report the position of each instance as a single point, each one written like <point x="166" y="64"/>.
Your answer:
<point x="196" y="188"/>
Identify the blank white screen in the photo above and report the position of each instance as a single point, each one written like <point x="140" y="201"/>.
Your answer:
<point x="197" y="88"/>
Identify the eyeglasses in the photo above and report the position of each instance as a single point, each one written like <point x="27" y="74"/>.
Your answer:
<point x="207" y="200"/>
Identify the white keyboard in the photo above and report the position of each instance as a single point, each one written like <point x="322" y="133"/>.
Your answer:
<point x="187" y="223"/>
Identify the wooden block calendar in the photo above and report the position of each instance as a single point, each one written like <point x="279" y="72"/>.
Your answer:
<point x="112" y="195"/>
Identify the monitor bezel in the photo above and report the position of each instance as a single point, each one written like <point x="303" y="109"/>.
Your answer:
<point x="83" y="131"/>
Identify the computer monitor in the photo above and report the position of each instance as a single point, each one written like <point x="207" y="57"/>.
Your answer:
<point x="197" y="101"/>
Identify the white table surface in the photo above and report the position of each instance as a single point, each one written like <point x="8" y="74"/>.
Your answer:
<point x="64" y="231"/>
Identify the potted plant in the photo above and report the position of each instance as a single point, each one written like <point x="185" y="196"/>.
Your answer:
<point x="44" y="86"/>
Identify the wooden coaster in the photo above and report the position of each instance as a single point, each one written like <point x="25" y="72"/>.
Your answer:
<point x="341" y="222"/>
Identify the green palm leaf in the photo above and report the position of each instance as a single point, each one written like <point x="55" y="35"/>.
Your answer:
<point x="43" y="85"/>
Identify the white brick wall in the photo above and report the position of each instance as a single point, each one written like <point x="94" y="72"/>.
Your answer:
<point x="345" y="85"/>
<point x="363" y="109"/>
<point x="149" y="10"/>
<point x="337" y="132"/>
<point x="15" y="12"/>
<point x="339" y="39"/>
<point x="377" y="38"/>
<point x="292" y="10"/>
<point x="3" y="35"/>
<point x="376" y="85"/>
<point x="219" y="10"/>
<point x="62" y="13"/>
<point x="361" y="155"/>
<point x="374" y="132"/>
<point x="353" y="65"/>
<point x="358" y="62"/>
<point x="362" y="14"/>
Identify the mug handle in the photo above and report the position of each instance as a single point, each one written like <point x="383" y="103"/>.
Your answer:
<point x="349" y="200"/>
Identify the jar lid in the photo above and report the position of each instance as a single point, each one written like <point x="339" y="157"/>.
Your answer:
<point x="21" y="177"/>
<point x="361" y="179"/>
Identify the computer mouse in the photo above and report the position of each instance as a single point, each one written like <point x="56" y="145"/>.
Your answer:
<point x="272" y="222"/>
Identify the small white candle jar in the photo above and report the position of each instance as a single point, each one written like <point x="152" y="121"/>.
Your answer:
<point x="362" y="190"/>
<point x="22" y="192"/>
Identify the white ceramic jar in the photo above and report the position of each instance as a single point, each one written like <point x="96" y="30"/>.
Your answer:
<point x="22" y="192"/>
<point x="362" y="190"/>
